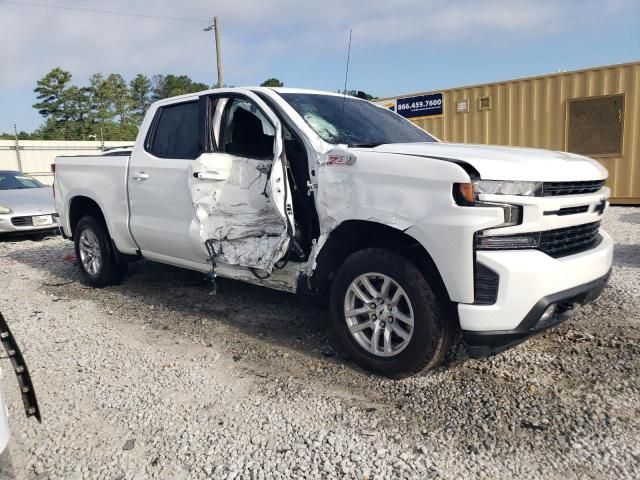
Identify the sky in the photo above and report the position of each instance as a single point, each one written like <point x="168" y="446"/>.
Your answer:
<point x="398" y="46"/>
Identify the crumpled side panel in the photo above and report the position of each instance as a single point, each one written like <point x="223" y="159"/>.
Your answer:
<point x="236" y="214"/>
<point x="335" y="195"/>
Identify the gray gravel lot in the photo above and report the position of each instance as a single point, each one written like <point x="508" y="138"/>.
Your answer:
<point x="156" y="378"/>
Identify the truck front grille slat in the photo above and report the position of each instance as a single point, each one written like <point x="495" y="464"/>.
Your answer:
<point x="556" y="243"/>
<point x="552" y="189"/>
<point x="569" y="240"/>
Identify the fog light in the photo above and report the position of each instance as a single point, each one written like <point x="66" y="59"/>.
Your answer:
<point x="548" y="313"/>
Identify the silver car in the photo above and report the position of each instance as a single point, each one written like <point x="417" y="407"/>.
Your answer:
<point x="26" y="205"/>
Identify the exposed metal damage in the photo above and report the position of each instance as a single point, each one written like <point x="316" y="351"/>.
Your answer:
<point x="234" y="210"/>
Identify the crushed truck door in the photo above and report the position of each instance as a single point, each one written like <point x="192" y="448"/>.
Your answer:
<point x="239" y="186"/>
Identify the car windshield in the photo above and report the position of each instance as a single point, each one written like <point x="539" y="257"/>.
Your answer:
<point x="17" y="180"/>
<point x="357" y="123"/>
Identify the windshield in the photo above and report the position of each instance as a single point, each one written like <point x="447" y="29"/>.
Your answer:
<point x="355" y="122"/>
<point x="17" y="180"/>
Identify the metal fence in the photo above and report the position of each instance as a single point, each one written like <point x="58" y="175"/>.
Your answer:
<point x="35" y="157"/>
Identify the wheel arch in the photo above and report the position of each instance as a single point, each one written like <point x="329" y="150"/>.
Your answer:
<point x="353" y="235"/>
<point x="80" y="206"/>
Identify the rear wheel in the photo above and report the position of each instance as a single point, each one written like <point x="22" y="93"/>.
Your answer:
<point x="95" y="254"/>
<point x="386" y="314"/>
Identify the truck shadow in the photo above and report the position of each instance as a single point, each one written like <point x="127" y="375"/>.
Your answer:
<point x="632" y="217"/>
<point x="627" y="255"/>
<point x="181" y="301"/>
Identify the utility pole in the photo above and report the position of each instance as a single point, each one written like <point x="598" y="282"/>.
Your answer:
<point x="215" y="26"/>
<point x="15" y="132"/>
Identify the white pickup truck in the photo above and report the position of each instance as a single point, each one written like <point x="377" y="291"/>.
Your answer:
<point x="408" y="237"/>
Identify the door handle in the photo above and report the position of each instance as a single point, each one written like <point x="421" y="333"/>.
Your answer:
<point x="140" y="176"/>
<point x="212" y="175"/>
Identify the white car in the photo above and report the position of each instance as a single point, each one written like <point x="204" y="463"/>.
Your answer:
<point x="408" y="237"/>
<point x="26" y="205"/>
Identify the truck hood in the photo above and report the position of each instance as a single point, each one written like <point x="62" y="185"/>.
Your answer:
<point x="505" y="163"/>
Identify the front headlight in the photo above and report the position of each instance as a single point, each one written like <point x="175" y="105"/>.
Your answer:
<point x="4" y="210"/>
<point x="466" y="195"/>
<point x="500" y="187"/>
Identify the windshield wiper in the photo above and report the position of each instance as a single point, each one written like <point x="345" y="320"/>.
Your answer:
<point x="366" y="145"/>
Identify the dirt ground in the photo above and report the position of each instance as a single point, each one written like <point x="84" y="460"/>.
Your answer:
<point x="156" y="378"/>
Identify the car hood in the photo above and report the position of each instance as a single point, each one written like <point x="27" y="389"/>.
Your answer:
<point x="506" y="163"/>
<point x="28" y="201"/>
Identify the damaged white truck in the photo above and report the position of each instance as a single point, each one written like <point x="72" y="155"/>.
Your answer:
<point x="410" y="239"/>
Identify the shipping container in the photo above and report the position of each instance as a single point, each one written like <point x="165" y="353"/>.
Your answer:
<point x="593" y="112"/>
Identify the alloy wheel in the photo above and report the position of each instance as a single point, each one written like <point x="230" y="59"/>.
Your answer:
<point x="379" y="314"/>
<point x="90" y="253"/>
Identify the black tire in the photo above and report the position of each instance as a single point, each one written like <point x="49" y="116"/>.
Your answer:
<point x="110" y="271"/>
<point x="432" y="331"/>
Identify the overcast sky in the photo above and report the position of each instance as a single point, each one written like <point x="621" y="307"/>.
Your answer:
<point x="399" y="46"/>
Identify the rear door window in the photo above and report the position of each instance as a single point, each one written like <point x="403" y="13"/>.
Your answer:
<point x="176" y="132"/>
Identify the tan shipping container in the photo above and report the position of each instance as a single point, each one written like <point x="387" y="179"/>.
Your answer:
<point x="593" y="112"/>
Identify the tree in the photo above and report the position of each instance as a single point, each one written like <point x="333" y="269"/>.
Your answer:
<point x="108" y="108"/>
<point x="165" y="86"/>
<point x="73" y="122"/>
<point x="54" y="101"/>
<point x="50" y="130"/>
<point x="22" y="135"/>
<point x="119" y="97"/>
<point x="101" y="113"/>
<point x="140" y="97"/>
<point x="272" y="82"/>
<point x="50" y="89"/>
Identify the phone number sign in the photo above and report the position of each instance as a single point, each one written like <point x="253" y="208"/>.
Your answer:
<point x="420" y="106"/>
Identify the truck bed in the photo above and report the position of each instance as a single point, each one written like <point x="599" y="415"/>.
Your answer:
<point x="103" y="180"/>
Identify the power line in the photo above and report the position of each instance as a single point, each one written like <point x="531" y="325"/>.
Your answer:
<point x="100" y="12"/>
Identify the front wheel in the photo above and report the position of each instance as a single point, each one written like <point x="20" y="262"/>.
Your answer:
<point x="95" y="255"/>
<point x="386" y="315"/>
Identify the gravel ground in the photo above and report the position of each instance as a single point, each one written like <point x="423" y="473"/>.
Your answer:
<point x="156" y="378"/>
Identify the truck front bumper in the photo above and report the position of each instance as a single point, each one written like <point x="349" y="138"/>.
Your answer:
<point x="535" y="292"/>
